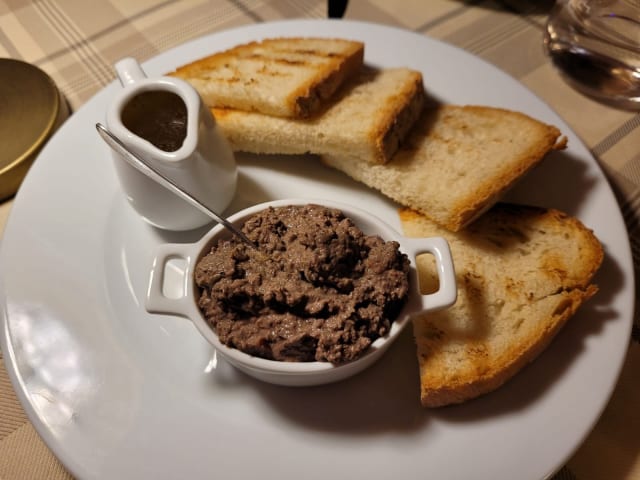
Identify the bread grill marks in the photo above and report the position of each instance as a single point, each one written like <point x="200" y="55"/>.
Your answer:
<point x="311" y="97"/>
<point x="522" y="272"/>
<point x="288" y="77"/>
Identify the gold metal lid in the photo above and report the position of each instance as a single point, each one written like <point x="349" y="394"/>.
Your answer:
<point x="31" y="108"/>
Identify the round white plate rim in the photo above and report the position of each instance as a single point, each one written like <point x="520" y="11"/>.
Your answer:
<point x="231" y="37"/>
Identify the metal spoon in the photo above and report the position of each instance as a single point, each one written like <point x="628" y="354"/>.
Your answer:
<point x="137" y="162"/>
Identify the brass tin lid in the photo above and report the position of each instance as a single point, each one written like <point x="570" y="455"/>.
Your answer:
<point x="31" y="108"/>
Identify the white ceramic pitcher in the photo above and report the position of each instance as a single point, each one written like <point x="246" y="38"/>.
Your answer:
<point x="148" y="115"/>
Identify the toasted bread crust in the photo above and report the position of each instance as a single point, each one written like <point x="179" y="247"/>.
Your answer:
<point x="457" y="161"/>
<point x="287" y="77"/>
<point x="369" y="117"/>
<point x="522" y="272"/>
<point x="396" y="118"/>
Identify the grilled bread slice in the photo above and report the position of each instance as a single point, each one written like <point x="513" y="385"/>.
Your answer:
<point x="457" y="161"/>
<point x="285" y="77"/>
<point x="522" y="272"/>
<point x="368" y="118"/>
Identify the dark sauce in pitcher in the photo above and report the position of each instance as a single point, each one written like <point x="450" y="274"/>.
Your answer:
<point x="158" y="116"/>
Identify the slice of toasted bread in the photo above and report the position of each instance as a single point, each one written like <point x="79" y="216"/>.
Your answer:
<point x="369" y="118"/>
<point x="457" y="161"/>
<point x="286" y="77"/>
<point x="522" y="272"/>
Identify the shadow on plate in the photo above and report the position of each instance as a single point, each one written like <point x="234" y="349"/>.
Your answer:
<point x="382" y="399"/>
<point x="299" y="166"/>
<point x="248" y="193"/>
<point x="560" y="181"/>
<point x="549" y="368"/>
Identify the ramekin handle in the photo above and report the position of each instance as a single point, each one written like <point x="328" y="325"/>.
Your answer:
<point x="448" y="291"/>
<point x="156" y="301"/>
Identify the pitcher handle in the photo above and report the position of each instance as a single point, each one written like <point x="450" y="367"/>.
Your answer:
<point x="129" y="71"/>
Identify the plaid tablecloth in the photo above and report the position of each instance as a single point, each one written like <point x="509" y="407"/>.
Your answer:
<point x="76" y="43"/>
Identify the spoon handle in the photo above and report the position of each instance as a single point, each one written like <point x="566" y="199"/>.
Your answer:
<point x="137" y="162"/>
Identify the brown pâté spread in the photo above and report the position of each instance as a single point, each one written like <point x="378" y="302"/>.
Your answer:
<point x="318" y="288"/>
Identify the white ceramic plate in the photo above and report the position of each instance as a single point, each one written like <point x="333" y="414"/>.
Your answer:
<point x="119" y="393"/>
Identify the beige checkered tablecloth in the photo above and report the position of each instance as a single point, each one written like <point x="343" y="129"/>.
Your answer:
<point x="76" y="42"/>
